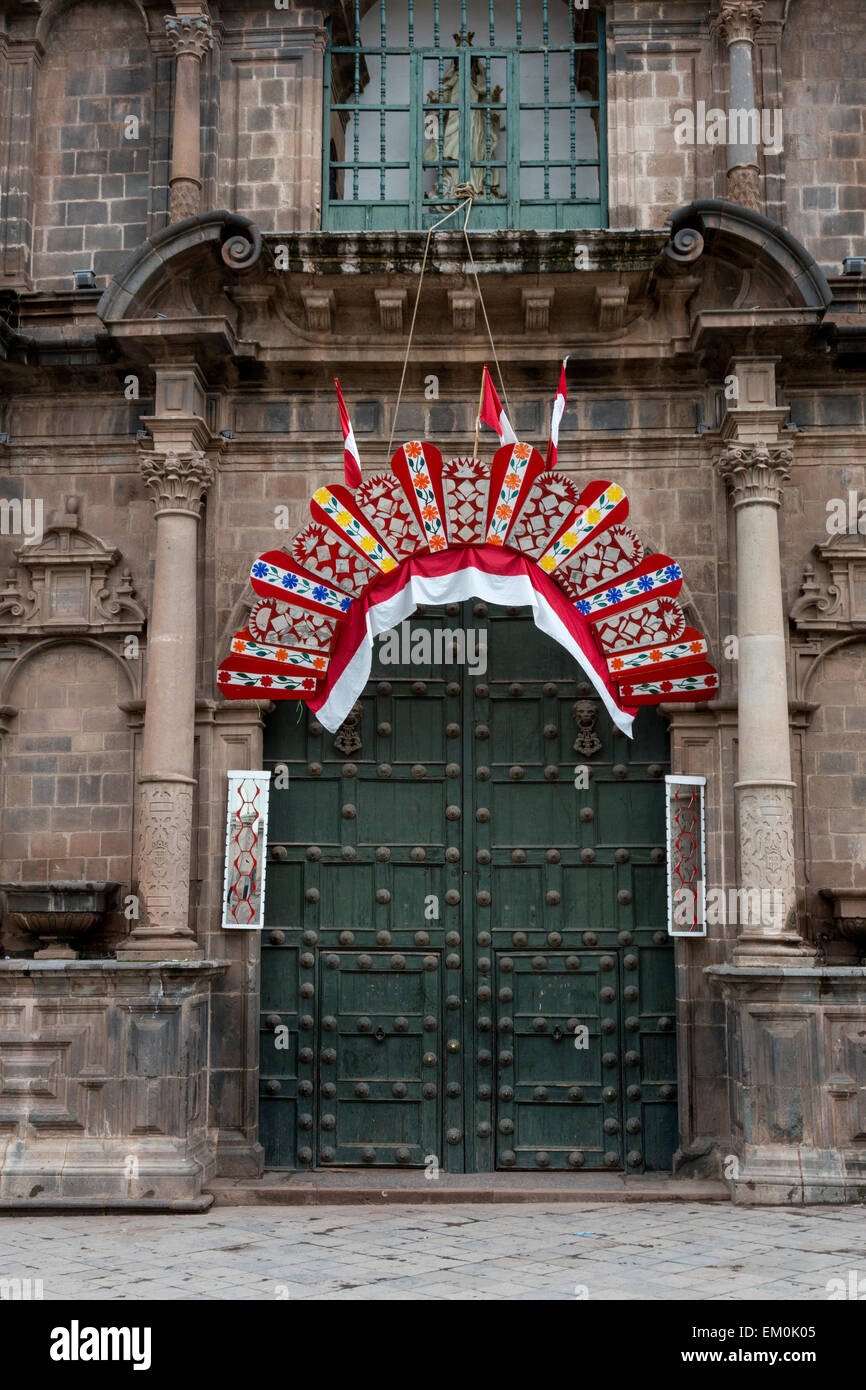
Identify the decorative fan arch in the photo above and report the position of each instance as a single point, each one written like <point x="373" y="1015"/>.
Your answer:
<point x="431" y="532"/>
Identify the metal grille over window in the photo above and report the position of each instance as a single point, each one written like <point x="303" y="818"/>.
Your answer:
<point x="246" y="844"/>
<point x="686" y="845"/>
<point x="423" y="99"/>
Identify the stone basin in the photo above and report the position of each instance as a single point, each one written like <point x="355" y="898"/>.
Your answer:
<point x="56" y="913"/>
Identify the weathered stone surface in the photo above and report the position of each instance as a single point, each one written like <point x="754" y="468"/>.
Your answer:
<point x="196" y="340"/>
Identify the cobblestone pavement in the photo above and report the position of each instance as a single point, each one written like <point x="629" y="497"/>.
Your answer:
<point x="558" y="1251"/>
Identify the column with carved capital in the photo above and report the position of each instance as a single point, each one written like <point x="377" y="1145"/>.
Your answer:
<point x="755" y="472"/>
<point x="738" y="21"/>
<point x="191" y="36"/>
<point x="178" y="483"/>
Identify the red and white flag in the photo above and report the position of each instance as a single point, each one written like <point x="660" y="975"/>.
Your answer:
<point x="555" y="418"/>
<point x="492" y="414"/>
<point x="351" y="457"/>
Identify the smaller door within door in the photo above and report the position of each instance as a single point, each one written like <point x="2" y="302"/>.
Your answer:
<point x="558" y="1097"/>
<point x="380" y="1058"/>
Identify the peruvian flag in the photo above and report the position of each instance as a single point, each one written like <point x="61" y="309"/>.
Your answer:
<point x="491" y="412"/>
<point x="556" y="417"/>
<point x="351" y="457"/>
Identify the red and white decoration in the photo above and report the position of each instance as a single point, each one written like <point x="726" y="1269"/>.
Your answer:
<point x="351" y="457"/>
<point x="556" y="418"/>
<point x="246" y="848"/>
<point x="687" y="856"/>
<point x="492" y="413"/>
<point x="514" y="532"/>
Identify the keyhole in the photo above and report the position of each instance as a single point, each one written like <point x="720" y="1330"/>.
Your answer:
<point x="379" y="1034"/>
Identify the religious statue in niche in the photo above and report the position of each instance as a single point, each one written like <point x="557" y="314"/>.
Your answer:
<point x="484" y="181"/>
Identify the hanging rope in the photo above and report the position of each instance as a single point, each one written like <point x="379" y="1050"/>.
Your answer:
<point x="467" y="192"/>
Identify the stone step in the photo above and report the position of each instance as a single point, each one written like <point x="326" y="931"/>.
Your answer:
<point x="336" y="1187"/>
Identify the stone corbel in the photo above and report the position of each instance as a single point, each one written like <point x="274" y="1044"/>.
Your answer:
<point x="536" y="310"/>
<point x="319" y="308"/>
<point x="610" y="305"/>
<point x="462" y="304"/>
<point x="392" y="305"/>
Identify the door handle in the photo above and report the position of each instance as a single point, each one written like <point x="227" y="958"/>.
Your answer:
<point x="379" y="1034"/>
<point x="557" y="1034"/>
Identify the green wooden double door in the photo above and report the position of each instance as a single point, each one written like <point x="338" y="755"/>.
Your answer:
<point x="465" y="963"/>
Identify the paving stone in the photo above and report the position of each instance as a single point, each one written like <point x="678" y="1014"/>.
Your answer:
<point x="635" y="1253"/>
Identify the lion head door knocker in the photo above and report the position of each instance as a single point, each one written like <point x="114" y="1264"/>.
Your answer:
<point x="586" y="718"/>
<point x="348" y="738"/>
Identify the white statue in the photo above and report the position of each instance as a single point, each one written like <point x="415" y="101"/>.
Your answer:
<point x="450" y="95"/>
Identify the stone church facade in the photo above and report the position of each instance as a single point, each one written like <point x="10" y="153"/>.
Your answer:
<point x="208" y="210"/>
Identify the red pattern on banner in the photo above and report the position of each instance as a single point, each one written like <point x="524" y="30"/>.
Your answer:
<point x="553" y="497"/>
<point x="240" y="902"/>
<point x="686" y="847"/>
<point x="660" y="620"/>
<point x="609" y="557"/>
<point x="382" y="496"/>
<point x="466" y="483"/>
<point x="324" y="554"/>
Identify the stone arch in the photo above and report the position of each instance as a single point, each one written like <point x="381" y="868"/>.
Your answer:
<point x="813" y="674"/>
<point x="38" y="648"/>
<point x="92" y="172"/>
<point x="834" y="782"/>
<point x="54" y="10"/>
<point x="68" y="765"/>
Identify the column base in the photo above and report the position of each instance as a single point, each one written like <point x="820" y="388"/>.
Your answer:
<point x="167" y="948"/>
<point x="757" y="948"/>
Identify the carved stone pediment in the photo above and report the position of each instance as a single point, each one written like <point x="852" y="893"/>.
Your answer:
<point x="833" y="594"/>
<point x="67" y="582"/>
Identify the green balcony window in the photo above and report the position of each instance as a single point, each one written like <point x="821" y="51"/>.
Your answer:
<point x="424" y="97"/>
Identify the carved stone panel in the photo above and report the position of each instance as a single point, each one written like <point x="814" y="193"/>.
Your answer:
<point x="164" y="833"/>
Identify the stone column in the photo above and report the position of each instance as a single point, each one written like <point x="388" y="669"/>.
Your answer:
<point x="754" y="465"/>
<point x="737" y="21"/>
<point x="165" y="823"/>
<point x="191" y="36"/>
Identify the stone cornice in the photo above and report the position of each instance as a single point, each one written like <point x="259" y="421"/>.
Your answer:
<point x="178" y="482"/>
<point x="755" y="472"/>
